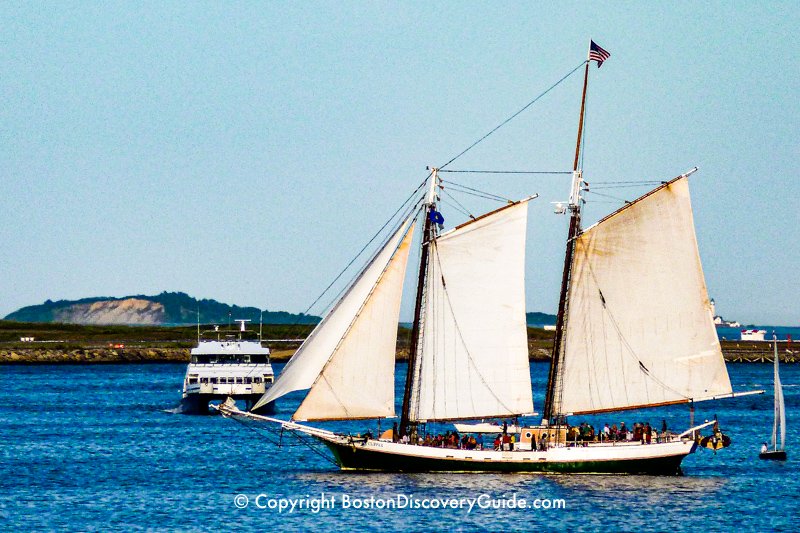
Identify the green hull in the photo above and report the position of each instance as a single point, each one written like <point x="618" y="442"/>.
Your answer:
<point x="350" y="457"/>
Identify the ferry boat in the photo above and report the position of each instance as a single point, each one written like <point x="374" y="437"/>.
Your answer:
<point x="227" y="364"/>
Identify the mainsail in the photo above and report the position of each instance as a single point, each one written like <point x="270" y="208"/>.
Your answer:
<point x="639" y="327"/>
<point x="473" y="359"/>
<point x="779" y="424"/>
<point x="357" y="338"/>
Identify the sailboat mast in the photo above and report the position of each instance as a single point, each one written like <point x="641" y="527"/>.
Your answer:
<point x="574" y="230"/>
<point x="428" y="234"/>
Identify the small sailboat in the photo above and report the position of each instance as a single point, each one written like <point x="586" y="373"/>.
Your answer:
<point x="634" y="330"/>
<point x="779" y="419"/>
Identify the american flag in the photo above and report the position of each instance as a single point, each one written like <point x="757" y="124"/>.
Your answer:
<point x="597" y="54"/>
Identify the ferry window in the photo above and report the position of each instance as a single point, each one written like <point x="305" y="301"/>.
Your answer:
<point x="203" y="380"/>
<point x="248" y="380"/>
<point x="256" y="380"/>
<point x="269" y="378"/>
<point x="238" y="380"/>
<point x="245" y="358"/>
<point x="192" y="380"/>
<point x="213" y="380"/>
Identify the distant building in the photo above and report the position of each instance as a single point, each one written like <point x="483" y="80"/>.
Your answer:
<point x="721" y="322"/>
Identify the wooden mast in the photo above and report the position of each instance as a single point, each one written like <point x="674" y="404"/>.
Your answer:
<point x="574" y="230"/>
<point x="428" y="233"/>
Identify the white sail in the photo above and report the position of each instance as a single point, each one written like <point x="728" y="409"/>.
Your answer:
<point x="779" y="424"/>
<point x="305" y="367"/>
<point x="358" y="380"/>
<point x="473" y="359"/>
<point x="639" y="328"/>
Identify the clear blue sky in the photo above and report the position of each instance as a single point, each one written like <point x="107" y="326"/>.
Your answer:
<point x="245" y="151"/>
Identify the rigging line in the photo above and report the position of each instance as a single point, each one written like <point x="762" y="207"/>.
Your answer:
<point x="631" y="181"/>
<point x="410" y="197"/>
<point x="278" y="443"/>
<point x="346" y="286"/>
<point x="512" y="117"/>
<point x="609" y="196"/>
<point x="485" y="197"/>
<point x="259" y="432"/>
<point x="507" y="171"/>
<point x="456" y="207"/>
<point x="346" y="268"/>
<point x="487" y="194"/>
<point x="311" y="447"/>
<point x="620" y="185"/>
<point x="463" y="208"/>
<point x="461" y="336"/>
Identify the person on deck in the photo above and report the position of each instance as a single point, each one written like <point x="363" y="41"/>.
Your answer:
<point x="573" y="434"/>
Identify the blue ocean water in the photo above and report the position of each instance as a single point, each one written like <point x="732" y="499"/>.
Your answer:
<point x="97" y="448"/>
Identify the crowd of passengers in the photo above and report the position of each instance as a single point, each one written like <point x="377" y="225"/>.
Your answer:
<point x="640" y="432"/>
<point x="576" y="435"/>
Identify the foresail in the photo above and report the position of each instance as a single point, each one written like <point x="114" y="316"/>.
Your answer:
<point x="358" y="381"/>
<point x="302" y="371"/>
<point x="639" y="328"/>
<point x="473" y="361"/>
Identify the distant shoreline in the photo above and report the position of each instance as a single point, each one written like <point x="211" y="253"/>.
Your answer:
<point x="55" y="343"/>
<point x="539" y="350"/>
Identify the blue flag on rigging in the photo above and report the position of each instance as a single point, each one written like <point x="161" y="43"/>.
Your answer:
<point x="436" y="217"/>
<point x="597" y="54"/>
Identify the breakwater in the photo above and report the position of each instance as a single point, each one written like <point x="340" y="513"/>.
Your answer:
<point x="734" y="352"/>
<point x="93" y="355"/>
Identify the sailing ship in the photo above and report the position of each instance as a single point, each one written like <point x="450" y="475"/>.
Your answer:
<point x="779" y="418"/>
<point x="634" y="330"/>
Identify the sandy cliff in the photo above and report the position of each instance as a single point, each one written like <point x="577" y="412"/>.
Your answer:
<point x="128" y="311"/>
